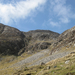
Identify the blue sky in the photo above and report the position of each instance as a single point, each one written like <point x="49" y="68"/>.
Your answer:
<point x="26" y="15"/>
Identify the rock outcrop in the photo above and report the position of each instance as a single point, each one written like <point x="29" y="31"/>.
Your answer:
<point x="40" y="39"/>
<point x="65" y="40"/>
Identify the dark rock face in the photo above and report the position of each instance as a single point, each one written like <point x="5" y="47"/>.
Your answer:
<point x="11" y="40"/>
<point x="38" y="46"/>
<point x="40" y="39"/>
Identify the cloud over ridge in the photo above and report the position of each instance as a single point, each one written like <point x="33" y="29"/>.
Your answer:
<point x="21" y="9"/>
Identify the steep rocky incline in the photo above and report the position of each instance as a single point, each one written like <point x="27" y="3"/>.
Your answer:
<point x="40" y="39"/>
<point x="65" y="41"/>
<point x="53" y="45"/>
<point x="13" y="41"/>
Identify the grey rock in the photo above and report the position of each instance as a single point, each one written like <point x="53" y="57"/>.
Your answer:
<point x="48" y="67"/>
<point x="66" y="62"/>
<point x="42" y="63"/>
<point x="55" y="66"/>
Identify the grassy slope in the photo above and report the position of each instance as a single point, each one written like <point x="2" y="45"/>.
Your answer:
<point x="61" y="69"/>
<point x="9" y="61"/>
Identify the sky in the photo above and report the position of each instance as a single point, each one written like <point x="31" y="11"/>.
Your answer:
<point x="26" y="15"/>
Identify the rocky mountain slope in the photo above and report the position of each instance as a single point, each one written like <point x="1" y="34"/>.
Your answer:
<point x="20" y="52"/>
<point x="15" y="42"/>
<point x="11" y="40"/>
<point x="66" y="40"/>
<point x="40" y="39"/>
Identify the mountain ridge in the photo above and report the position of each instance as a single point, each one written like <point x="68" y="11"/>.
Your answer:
<point x="16" y="42"/>
<point x="66" y="40"/>
<point x="28" y="53"/>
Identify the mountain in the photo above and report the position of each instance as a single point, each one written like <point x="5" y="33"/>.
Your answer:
<point x="11" y="40"/>
<point x="37" y="52"/>
<point x="40" y="39"/>
<point x="16" y="42"/>
<point x="65" y="41"/>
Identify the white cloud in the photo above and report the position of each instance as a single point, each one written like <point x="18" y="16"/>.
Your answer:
<point x="64" y="20"/>
<point x="62" y="11"/>
<point x="21" y="9"/>
<point x="51" y="22"/>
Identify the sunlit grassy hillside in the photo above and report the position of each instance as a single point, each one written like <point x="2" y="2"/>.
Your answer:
<point x="60" y="66"/>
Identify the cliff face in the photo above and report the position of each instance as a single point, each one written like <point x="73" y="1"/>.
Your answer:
<point x="13" y="41"/>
